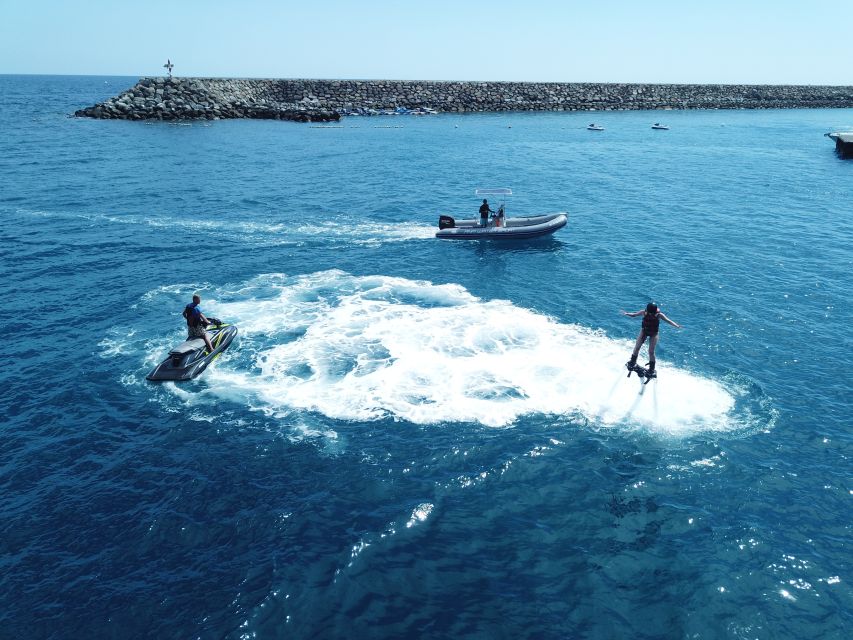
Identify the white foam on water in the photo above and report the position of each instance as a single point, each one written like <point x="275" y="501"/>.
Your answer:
<point x="367" y="348"/>
<point x="363" y="232"/>
<point x="346" y="227"/>
<point x="342" y="228"/>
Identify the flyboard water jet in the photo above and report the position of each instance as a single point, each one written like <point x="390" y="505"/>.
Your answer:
<point x="645" y="374"/>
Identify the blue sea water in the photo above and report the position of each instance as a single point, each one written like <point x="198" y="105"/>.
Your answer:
<point x="413" y="437"/>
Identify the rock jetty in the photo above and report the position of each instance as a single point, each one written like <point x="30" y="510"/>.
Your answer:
<point x="326" y="100"/>
<point x="204" y="98"/>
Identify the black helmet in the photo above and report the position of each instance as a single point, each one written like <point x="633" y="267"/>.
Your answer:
<point x="651" y="308"/>
<point x="485" y="201"/>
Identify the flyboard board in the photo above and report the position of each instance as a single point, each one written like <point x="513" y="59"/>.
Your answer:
<point x="642" y="372"/>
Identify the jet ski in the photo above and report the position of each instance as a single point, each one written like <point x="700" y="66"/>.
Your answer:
<point x="190" y="358"/>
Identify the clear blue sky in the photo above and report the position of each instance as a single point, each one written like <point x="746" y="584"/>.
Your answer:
<point x="715" y="41"/>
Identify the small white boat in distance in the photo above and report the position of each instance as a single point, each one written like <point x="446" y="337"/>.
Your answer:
<point x="595" y="127"/>
<point x="500" y="227"/>
<point x="658" y="125"/>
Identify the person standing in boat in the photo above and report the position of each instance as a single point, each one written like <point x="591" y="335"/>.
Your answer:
<point x="652" y="316"/>
<point x="196" y="322"/>
<point x="485" y="210"/>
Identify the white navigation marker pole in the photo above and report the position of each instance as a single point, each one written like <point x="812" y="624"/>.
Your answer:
<point x="169" y="66"/>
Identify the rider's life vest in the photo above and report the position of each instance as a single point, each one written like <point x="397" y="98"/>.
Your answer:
<point x="651" y="323"/>
<point x="193" y="314"/>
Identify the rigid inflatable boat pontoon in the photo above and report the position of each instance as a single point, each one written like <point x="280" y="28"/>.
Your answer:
<point x="514" y="229"/>
<point x="500" y="227"/>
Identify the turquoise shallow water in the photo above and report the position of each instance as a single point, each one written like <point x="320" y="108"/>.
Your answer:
<point x="412" y="437"/>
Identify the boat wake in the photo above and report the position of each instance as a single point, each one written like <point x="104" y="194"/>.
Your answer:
<point x="269" y="233"/>
<point x="369" y="348"/>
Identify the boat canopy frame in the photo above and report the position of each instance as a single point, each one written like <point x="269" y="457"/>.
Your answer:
<point x="493" y="192"/>
<point x="502" y="192"/>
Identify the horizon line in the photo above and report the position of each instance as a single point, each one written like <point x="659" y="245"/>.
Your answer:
<point x="329" y="79"/>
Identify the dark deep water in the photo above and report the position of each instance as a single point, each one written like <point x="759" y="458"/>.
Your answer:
<point x="413" y="437"/>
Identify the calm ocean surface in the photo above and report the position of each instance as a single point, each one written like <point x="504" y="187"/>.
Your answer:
<point x="414" y="438"/>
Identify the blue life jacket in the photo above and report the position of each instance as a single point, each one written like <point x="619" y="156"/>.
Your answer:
<point x="193" y="314"/>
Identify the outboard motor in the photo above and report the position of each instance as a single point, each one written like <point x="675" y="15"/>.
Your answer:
<point x="446" y="222"/>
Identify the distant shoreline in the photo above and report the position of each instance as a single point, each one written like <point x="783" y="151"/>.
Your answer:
<point x="328" y="100"/>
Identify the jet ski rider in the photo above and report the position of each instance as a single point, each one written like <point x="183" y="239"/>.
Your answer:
<point x="196" y="322"/>
<point x="652" y="316"/>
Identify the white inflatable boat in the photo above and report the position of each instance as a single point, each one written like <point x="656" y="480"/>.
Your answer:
<point x="499" y="227"/>
<point x="512" y="229"/>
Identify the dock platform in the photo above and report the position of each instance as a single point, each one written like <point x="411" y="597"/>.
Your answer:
<point x="843" y="142"/>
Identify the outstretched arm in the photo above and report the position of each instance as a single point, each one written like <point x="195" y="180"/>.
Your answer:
<point x="674" y="324"/>
<point x="633" y="314"/>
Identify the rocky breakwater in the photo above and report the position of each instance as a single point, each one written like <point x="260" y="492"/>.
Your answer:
<point x="462" y="97"/>
<point x="326" y="100"/>
<point x="207" y="99"/>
